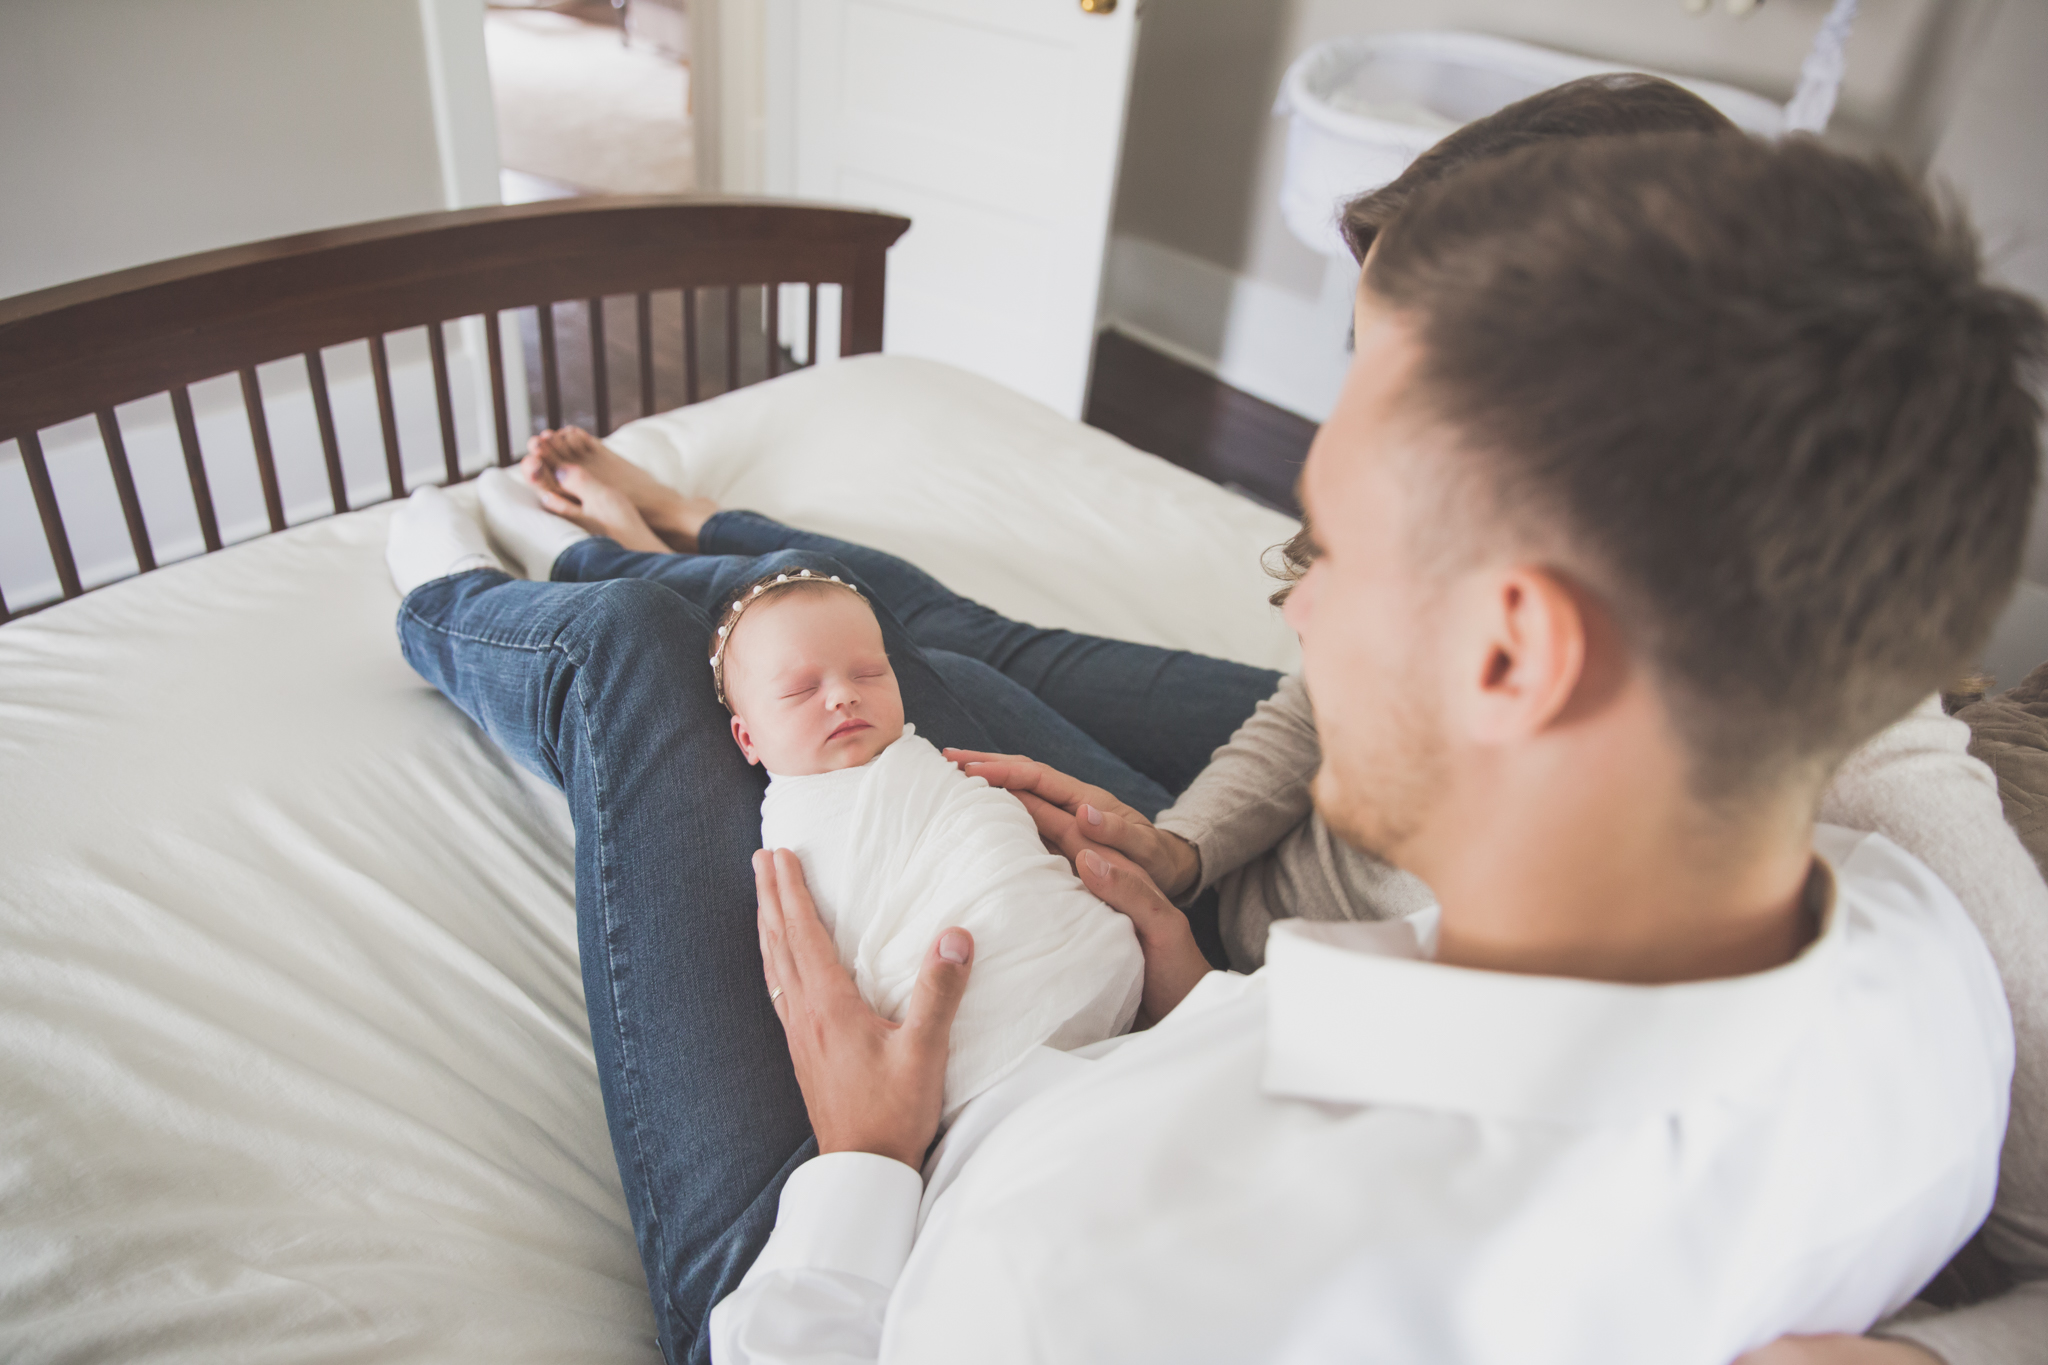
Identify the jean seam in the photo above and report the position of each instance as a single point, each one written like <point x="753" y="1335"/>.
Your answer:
<point x="406" y="610"/>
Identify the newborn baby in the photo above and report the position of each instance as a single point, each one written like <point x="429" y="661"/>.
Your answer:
<point x="897" y="844"/>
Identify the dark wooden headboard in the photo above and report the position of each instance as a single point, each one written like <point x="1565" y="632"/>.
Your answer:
<point x="79" y="350"/>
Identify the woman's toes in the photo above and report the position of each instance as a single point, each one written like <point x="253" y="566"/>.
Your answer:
<point x="578" y="444"/>
<point x="540" y="472"/>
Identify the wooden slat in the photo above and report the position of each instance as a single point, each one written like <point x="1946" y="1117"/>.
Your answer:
<point x="550" y="376"/>
<point x="643" y="318"/>
<point x="124" y="488"/>
<point x="259" y="436"/>
<point x="46" y="506"/>
<point x="323" y="412"/>
<point x="195" y="467"/>
<point x="444" y="399"/>
<point x="600" y="378"/>
<point x="690" y="345"/>
<point x="387" y="414"/>
<point x="732" y="337"/>
<point x="860" y="307"/>
<point x="774" y="329"/>
<point x="494" y="344"/>
<point x="811" y="329"/>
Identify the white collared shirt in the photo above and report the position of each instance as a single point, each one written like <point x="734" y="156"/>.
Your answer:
<point x="1358" y="1154"/>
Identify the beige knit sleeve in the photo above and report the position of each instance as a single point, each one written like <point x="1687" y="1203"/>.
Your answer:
<point x="1255" y="789"/>
<point x="1917" y="785"/>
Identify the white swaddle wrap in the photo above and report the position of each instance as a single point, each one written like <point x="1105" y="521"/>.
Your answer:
<point x="907" y="845"/>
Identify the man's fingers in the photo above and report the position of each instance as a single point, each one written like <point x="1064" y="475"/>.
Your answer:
<point x="1120" y="885"/>
<point x="810" y="945"/>
<point x="777" y="970"/>
<point x="940" y="985"/>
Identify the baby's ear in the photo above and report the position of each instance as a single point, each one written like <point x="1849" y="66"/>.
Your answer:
<point x="744" y="740"/>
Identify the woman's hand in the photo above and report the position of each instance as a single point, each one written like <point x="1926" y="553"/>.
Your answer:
<point x="870" y="1085"/>
<point x="1101" y="821"/>
<point x="1838" y="1350"/>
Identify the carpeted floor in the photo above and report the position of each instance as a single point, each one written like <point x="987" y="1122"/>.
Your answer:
<point x="576" y="106"/>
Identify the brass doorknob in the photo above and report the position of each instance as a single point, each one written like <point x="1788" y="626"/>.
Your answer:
<point x="1098" y="6"/>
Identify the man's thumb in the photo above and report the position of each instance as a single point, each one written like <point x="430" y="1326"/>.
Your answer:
<point x="1097" y="872"/>
<point x="941" y="984"/>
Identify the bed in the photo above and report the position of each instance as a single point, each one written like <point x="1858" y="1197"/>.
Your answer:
<point x="293" y="1055"/>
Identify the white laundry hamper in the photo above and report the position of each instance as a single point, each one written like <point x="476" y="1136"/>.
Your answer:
<point x="1360" y="109"/>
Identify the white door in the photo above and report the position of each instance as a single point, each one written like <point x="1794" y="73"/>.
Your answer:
<point x="994" y="126"/>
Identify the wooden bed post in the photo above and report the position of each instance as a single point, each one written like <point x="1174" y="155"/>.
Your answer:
<point x="860" y="313"/>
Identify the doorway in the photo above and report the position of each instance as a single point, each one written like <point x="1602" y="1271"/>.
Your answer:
<point x="592" y="97"/>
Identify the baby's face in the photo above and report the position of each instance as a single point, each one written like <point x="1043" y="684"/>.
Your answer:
<point x="810" y="683"/>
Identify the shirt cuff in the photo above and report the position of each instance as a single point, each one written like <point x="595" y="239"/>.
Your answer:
<point x="850" y="1212"/>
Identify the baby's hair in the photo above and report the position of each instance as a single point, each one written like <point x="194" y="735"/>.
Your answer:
<point x="769" y="585"/>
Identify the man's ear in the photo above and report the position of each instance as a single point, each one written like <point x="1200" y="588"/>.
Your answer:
<point x="744" y="740"/>
<point x="1534" y="637"/>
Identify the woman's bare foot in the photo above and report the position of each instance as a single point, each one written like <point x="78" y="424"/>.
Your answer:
<point x="674" y="517"/>
<point x="574" y="494"/>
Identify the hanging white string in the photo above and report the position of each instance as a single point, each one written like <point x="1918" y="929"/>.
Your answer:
<point x="1820" y="75"/>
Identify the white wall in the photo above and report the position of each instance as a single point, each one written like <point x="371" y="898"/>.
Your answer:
<point x="729" y="80"/>
<point x="136" y="130"/>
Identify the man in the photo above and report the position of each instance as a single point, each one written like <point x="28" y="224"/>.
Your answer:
<point x="1669" y="470"/>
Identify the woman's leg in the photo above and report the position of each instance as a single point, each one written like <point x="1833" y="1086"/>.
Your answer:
<point x="1015" y="720"/>
<point x="602" y="689"/>
<point x="1019" y="723"/>
<point x="1162" y="711"/>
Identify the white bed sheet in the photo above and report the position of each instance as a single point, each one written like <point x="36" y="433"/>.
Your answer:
<point x="293" y="1056"/>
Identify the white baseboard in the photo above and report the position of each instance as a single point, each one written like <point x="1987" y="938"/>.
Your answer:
<point x="1273" y="343"/>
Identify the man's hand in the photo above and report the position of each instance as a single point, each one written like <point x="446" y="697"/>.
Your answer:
<point x="870" y="1085"/>
<point x="1099" y="819"/>
<point x="1173" y="961"/>
<point x="1837" y="1350"/>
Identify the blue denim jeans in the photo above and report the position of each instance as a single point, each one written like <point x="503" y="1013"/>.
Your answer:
<point x="598" y="682"/>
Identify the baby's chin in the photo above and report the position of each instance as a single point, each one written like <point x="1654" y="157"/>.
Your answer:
<point x="852" y="751"/>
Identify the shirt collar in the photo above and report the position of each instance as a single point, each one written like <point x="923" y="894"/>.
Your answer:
<point x="1358" y="1014"/>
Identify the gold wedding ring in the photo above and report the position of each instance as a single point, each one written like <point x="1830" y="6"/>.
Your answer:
<point x="775" y="995"/>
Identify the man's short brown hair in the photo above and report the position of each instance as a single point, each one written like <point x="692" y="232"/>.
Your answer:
<point x="1611" y="105"/>
<point x="1764" y="398"/>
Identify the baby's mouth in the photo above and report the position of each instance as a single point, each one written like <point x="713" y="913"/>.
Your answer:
<point x="850" y="727"/>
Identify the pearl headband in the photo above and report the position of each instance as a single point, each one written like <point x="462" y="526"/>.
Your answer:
<point x="746" y="599"/>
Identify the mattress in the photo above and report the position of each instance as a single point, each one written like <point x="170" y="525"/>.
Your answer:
<point x="293" y="1055"/>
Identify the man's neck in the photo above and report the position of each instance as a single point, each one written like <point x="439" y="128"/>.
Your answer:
<point x="1624" y="879"/>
